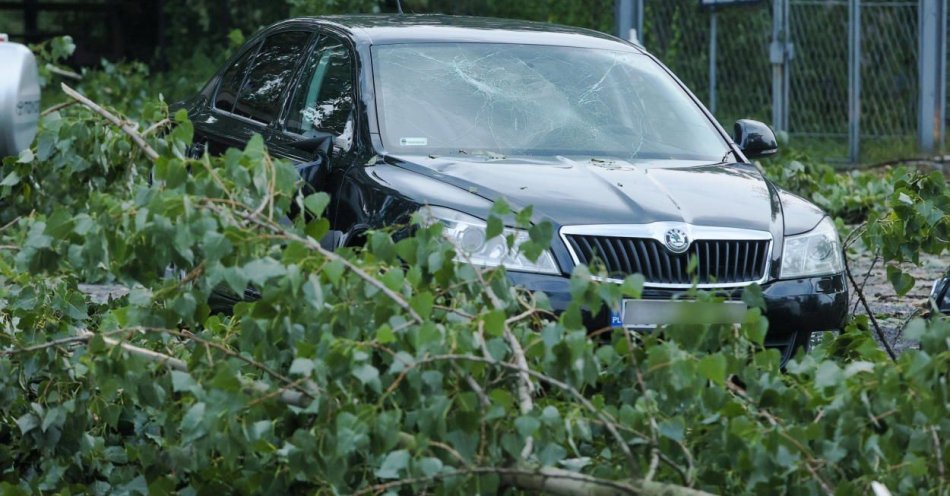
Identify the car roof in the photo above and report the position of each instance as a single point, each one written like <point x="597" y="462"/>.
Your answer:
<point x="436" y="28"/>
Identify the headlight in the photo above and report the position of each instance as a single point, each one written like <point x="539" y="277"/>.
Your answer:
<point x="468" y="235"/>
<point x="815" y="253"/>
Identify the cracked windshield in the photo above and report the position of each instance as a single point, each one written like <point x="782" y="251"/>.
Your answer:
<point x="503" y="100"/>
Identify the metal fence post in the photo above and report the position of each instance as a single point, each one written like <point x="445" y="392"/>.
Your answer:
<point x="932" y="72"/>
<point x="638" y="21"/>
<point x="778" y="58"/>
<point x="854" y="80"/>
<point x="629" y="15"/>
<point x="713" y="49"/>
<point x="942" y="73"/>
<point x="624" y="16"/>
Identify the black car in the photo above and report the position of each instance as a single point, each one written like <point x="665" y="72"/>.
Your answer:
<point x="448" y="114"/>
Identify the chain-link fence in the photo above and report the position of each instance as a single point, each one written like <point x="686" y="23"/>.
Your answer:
<point x="678" y="32"/>
<point x="841" y="78"/>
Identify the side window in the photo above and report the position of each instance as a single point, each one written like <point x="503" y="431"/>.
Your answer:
<point x="231" y="81"/>
<point x="323" y="98"/>
<point x="269" y="75"/>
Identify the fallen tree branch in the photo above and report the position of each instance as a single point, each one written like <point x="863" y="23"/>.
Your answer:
<point x="864" y="282"/>
<point x="63" y="72"/>
<point x="549" y="480"/>
<point x="525" y="387"/>
<point x="777" y="425"/>
<point x="867" y="308"/>
<point x="309" y="391"/>
<point x="913" y="161"/>
<point x="158" y="125"/>
<point x="314" y="245"/>
<point x="58" y="107"/>
<point x="608" y="423"/>
<point x="289" y="397"/>
<point x="293" y="398"/>
<point x="124" y="125"/>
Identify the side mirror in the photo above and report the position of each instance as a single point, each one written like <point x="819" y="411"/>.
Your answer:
<point x="754" y="138"/>
<point x="19" y="98"/>
<point x="321" y="142"/>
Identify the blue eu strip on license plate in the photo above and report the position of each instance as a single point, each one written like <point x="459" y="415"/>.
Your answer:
<point x="616" y="320"/>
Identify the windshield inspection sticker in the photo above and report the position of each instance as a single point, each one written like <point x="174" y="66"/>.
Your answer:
<point x="413" y="141"/>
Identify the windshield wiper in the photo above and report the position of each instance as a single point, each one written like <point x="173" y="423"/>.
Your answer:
<point x="483" y="153"/>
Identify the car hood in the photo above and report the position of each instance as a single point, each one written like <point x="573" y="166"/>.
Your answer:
<point x="569" y="192"/>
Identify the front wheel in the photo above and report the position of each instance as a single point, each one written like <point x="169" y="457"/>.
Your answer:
<point x="788" y="345"/>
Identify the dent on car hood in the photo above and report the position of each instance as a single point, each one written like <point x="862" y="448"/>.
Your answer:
<point x="570" y="192"/>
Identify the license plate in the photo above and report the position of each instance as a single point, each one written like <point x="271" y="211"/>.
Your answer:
<point x="647" y="314"/>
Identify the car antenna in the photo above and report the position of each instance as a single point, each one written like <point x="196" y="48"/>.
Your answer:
<point x="399" y="6"/>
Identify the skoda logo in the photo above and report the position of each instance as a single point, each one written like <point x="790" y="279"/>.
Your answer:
<point x="676" y="240"/>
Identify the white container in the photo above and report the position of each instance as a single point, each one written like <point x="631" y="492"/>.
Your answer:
<point x="19" y="98"/>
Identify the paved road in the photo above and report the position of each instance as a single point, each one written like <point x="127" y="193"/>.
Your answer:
<point x="892" y="311"/>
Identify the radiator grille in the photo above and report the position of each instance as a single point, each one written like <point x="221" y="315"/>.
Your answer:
<point x="718" y="261"/>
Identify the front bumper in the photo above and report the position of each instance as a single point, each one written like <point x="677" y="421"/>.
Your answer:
<point x="808" y="304"/>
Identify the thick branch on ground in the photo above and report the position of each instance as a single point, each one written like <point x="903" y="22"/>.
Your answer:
<point x="557" y="481"/>
<point x="550" y="480"/>
<point x="126" y="126"/>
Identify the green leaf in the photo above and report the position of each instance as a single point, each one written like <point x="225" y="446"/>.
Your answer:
<point x="501" y="207"/>
<point x="393" y="464"/>
<point x="633" y="286"/>
<point x="430" y="466"/>
<point x="526" y="425"/>
<point x="367" y="374"/>
<point x="317" y="229"/>
<point x="673" y="428"/>
<point x="301" y="366"/>
<point x="902" y="281"/>
<point x="12" y="179"/>
<point x="259" y="271"/>
<point x="334" y="271"/>
<point x="236" y="37"/>
<point x="55" y="416"/>
<point x="828" y="375"/>
<point x="422" y="304"/>
<point x="193" y="418"/>
<point x="495" y="323"/>
<point x="182" y="381"/>
<point x="26" y="157"/>
<point x="713" y="368"/>
<point x="494" y="228"/>
<point x="385" y="335"/>
<point x="27" y="422"/>
<point x="752" y="296"/>
<point x="316" y="203"/>
<point x="215" y="245"/>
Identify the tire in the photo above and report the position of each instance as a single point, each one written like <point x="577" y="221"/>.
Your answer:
<point x="789" y="345"/>
<point x="802" y="341"/>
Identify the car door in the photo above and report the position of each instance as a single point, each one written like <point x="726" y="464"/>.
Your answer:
<point x="321" y="105"/>
<point x="251" y="91"/>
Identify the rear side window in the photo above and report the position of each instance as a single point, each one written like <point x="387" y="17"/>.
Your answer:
<point x="323" y="99"/>
<point x="269" y="75"/>
<point x="231" y="81"/>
